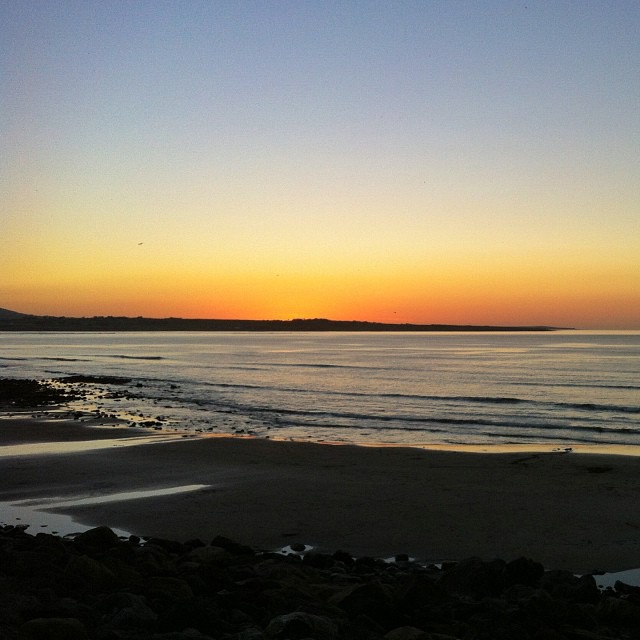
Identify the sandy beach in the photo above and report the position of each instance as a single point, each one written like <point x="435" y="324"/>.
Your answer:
<point x="566" y="510"/>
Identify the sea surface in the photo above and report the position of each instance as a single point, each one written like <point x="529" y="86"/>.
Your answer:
<point x="559" y="390"/>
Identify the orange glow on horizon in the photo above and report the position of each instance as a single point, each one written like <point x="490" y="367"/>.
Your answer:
<point x="423" y="300"/>
<point x="550" y="285"/>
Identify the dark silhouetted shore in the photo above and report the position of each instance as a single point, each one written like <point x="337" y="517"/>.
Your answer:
<point x="21" y="322"/>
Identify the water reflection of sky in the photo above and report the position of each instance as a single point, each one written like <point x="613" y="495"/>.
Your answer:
<point x="46" y="448"/>
<point x="37" y="516"/>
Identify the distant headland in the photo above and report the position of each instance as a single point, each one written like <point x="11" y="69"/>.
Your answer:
<point x="14" y="321"/>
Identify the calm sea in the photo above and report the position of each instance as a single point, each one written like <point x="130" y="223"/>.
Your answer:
<point x="557" y="389"/>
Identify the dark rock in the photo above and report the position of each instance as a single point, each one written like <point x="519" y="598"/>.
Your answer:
<point x="407" y="633"/>
<point x="345" y="557"/>
<point x="167" y="589"/>
<point x="418" y="592"/>
<point x="626" y="589"/>
<point x="153" y="560"/>
<point x="540" y="605"/>
<point x="171" y="546"/>
<point x="99" y="538"/>
<point x="524" y="571"/>
<point x="87" y="573"/>
<point x="52" y="629"/>
<point x="186" y="634"/>
<point x="100" y="588"/>
<point x="297" y="625"/>
<point x="193" y="544"/>
<point x="210" y="556"/>
<point x="476" y="578"/>
<point x="372" y="600"/>
<point x="566" y="586"/>
<point x="252" y="633"/>
<point x="319" y="560"/>
<point x="365" y="564"/>
<point x="129" y="610"/>
<point x="23" y="393"/>
<point x="232" y="547"/>
<point x="548" y="634"/>
<point x="197" y="613"/>
<point x="618" y="612"/>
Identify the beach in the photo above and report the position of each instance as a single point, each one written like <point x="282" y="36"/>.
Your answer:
<point x="566" y="510"/>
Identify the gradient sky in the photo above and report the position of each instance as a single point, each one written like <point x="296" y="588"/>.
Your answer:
<point x="433" y="161"/>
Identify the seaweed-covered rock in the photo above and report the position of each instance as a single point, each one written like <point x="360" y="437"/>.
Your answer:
<point x="24" y="393"/>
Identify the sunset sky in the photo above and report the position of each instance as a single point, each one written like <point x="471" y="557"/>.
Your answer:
<point x="434" y="161"/>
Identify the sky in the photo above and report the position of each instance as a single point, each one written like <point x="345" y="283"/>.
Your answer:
<point x="439" y="161"/>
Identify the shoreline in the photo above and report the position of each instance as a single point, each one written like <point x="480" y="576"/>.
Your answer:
<point x="91" y="428"/>
<point x="570" y="511"/>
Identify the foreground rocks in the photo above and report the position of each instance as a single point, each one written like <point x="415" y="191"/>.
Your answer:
<point x="99" y="586"/>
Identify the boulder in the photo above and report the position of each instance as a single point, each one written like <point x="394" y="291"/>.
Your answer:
<point x="186" y="634"/>
<point x="406" y="633"/>
<point x="170" y="546"/>
<point x="371" y="599"/>
<point x="53" y="629"/>
<point x="97" y="539"/>
<point x="476" y="578"/>
<point x="167" y="589"/>
<point x="88" y="573"/>
<point x="298" y="625"/>
<point x="209" y="556"/>
<point x="564" y="585"/>
<point x="618" y="612"/>
<point x="524" y="571"/>
<point x="235" y="548"/>
<point x="417" y="592"/>
<point x="129" y="610"/>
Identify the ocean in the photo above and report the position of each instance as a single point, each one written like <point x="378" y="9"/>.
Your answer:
<point x="556" y="390"/>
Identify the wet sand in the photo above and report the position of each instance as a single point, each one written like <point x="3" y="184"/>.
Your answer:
<point x="567" y="510"/>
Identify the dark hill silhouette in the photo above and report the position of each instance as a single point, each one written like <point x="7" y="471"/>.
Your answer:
<point x="7" y="314"/>
<point x="14" y="321"/>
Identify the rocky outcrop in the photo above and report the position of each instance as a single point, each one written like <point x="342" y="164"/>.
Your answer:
<point x="98" y="586"/>
<point x="16" y="393"/>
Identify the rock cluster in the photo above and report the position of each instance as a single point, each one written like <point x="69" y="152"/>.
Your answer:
<point x="99" y="586"/>
<point x="40" y="396"/>
<point x="18" y="393"/>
